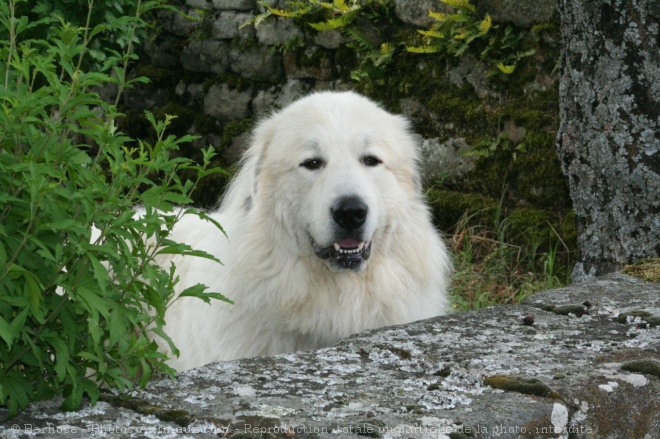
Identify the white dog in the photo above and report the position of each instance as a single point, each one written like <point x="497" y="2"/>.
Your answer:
<point x="328" y="235"/>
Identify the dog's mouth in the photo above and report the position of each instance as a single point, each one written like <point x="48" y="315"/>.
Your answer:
<point x="345" y="254"/>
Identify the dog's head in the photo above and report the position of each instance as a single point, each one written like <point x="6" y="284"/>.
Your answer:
<point x="335" y="170"/>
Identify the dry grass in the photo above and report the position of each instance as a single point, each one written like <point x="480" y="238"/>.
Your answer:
<point x="489" y="270"/>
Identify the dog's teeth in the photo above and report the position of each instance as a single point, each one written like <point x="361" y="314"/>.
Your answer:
<point x="337" y="247"/>
<point x="360" y="246"/>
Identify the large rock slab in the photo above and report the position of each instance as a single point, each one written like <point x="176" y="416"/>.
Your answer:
<point x="578" y="362"/>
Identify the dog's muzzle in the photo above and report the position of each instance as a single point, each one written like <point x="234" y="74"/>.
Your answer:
<point x="349" y="252"/>
<point x="345" y="254"/>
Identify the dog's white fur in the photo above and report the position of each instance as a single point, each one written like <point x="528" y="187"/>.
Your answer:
<point x="286" y="297"/>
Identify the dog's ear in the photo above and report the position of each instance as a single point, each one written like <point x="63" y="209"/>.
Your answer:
<point x="410" y="146"/>
<point x="241" y="194"/>
<point x="262" y="137"/>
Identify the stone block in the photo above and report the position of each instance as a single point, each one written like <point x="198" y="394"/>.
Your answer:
<point x="226" y="25"/>
<point x="227" y="103"/>
<point x="278" y="97"/>
<point x="235" y="5"/>
<point x="258" y="63"/>
<point x="205" y="56"/>
<point x="277" y="31"/>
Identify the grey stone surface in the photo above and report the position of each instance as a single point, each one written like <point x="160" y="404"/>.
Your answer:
<point x="522" y="13"/>
<point x="46" y="420"/>
<point x="331" y="39"/>
<point x="417" y="12"/>
<point x="180" y="24"/>
<point x="227" y="25"/>
<point x="277" y="32"/>
<point x="200" y="4"/>
<point x="208" y="56"/>
<point x="227" y="103"/>
<point x="257" y="63"/>
<point x="472" y="71"/>
<point x="586" y="364"/>
<point x="609" y="137"/>
<point x="277" y="97"/>
<point x="237" y="5"/>
<point x="518" y="12"/>
<point x="445" y="160"/>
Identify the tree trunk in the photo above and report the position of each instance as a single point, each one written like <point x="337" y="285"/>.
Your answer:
<point x="609" y="136"/>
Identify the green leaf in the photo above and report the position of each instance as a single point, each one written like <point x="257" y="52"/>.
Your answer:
<point x="117" y="326"/>
<point x="460" y="4"/>
<point x="60" y="353"/>
<point x="15" y="391"/>
<point x="198" y="291"/>
<point x="485" y="25"/>
<point x="507" y="70"/>
<point x="100" y="272"/>
<point x="73" y="399"/>
<point x="423" y="49"/>
<point x="7" y="333"/>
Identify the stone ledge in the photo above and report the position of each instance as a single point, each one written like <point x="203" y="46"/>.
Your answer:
<point x="582" y="361"/>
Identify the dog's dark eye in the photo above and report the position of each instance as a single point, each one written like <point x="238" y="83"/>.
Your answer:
<point x="313" y="164"/>
<point x="371" y="160"/>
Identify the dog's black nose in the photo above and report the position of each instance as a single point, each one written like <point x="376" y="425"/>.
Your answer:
<point x="349" y="212"/>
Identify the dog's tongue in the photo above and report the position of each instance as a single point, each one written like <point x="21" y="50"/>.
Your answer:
<point x="348" y="243"/>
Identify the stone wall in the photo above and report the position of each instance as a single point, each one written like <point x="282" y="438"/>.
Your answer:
<point x="219" y="75"/>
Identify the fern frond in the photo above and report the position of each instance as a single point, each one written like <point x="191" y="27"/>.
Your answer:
<point x="358" y="39"/>
<point x="438" y="16"/>
<point x="461" y="34"/>
<point x="340" y="6"/>
<point x="431" y="33"/>
<point x="281" y="12"/>
<point x="525" y="54"/>
<point x="444" y="18"/>
<point x="448" y="18"/>
<point x="331" y="24"/>
<point x="343" y="7"/>
<point x="507" y="70"/>
<point x="485" y="25"/>
<point x="295" y="9"/>
<point x="464" y="5"/>
<point x="423" y="49"/>
<point x="386" y="49"/>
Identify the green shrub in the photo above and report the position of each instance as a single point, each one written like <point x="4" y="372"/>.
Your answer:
<point x="76" y="308"/>
<point x="116" y="13"/>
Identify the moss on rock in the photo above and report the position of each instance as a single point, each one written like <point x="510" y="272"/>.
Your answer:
<point x="647" y="269"/>
<point x="646" y="367"/>
<point x="521" y="384"/>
